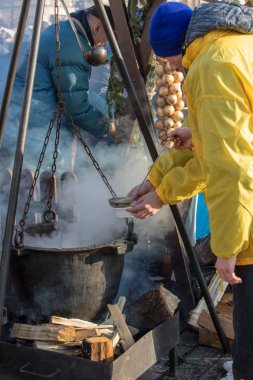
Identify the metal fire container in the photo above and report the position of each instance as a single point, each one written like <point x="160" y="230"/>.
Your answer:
<point x="24" y="363"/>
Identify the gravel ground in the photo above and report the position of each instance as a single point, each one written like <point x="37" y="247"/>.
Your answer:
<point x="194" y="362"/>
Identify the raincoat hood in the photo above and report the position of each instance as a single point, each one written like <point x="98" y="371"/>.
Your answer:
<point x="216" y="16"/>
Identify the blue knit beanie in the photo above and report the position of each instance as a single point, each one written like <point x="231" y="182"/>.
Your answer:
<point x="168" y="27"/>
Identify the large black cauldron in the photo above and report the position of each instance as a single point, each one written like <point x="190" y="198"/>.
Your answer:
<point x="71" y="283"/>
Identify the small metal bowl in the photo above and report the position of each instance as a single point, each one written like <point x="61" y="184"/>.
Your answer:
<point x="120" y="202"/>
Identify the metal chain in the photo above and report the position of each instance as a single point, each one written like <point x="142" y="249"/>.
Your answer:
<point x="49" y="215"/>
<point x="67" y="116"/>
<point x="20" y="234"/>
<point x="88" y="151"/>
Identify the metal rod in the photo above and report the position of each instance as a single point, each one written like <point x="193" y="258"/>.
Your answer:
<point x="13" y="65"/>
<point x="197" y="269"/>
<point x="126" y="78"/>
<point x="18" y="161"/>
<point x="153" y="152"/>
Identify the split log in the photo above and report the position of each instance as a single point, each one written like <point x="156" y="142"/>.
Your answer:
<point x="205" y="321"/>
<point x="78" y="323"/>
<point x="121" y="303"/>
<point x="211" y="339"/>
<point x="71" y="350"/>
<point x="123" y="330"/>
<point x="99" y="349"/>
<point x="43" y="332"/>
<point x="216" y="289"/>
<point x="54" y="333"/>
<point x="151" y="309"/>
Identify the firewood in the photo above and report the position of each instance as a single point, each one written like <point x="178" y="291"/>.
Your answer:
<point x="45" y="332"/>
<point x="99" y="349"/>
<point x="123" y="330"/>
<point x="72" y="350"/>
<point x="81" y="334"/>
<point x="210" y="338"/>
<point x="78" y="323"/>
<point x="227" y="299"/>
<point x="121" y="303"/>
<point x="55" y="333"/>
<point x="216" y="289"/>
<point x="151" y="309"/>
<point x="206" y="322"/>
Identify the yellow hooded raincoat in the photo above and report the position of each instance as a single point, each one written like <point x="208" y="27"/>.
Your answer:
<point x="219" y="91"/>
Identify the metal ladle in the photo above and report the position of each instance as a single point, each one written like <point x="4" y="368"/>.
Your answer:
<point x="96" y="55"/>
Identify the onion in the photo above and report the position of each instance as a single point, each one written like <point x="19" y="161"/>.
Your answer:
<point x="168" y="79"/>
<point x="160" y="111"/>
<point x="179" y="95"/>
<point x="169" y="130"/>
<point x="168" y="122"/>
<point x="159" y="124"/>
<point x="179" y="106"/>
<point x="171" y="99"/>
<point x="159" y="70"/>
<point x="162" y="135"/>
<point x="174" y="88"/>
<point x="159" y="82"/>
<point x="160" y="101"/>
<point x="168" y="110"/>
<point x="178" y="76"/>
<point x="178" y="116"/>
<point x="163" y="91"/>
<point x="178" y="124"/>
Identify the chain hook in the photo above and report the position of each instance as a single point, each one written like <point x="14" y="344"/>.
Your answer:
<point x="49" y="216"/>
<point x="19" y="239"/>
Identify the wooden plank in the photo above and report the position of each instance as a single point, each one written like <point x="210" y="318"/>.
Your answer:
<point x="121" y="303"/>
<point x="210" y="338"/>
<point x="57" y="347"/>
<point x="43" y="332"/>
<point x="205" y="321"/>
<point x="78" y="323"/>
<point x="216" y="292"/>
<point x="123" y="330"/>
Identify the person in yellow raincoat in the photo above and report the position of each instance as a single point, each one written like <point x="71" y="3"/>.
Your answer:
<point x="214" y="44"/>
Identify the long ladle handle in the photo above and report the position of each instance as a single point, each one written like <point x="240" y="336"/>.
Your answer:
<point x="151" y="167"/>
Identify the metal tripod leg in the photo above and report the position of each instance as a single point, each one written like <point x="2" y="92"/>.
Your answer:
<point x="13" y="65"/>
<point x="18" y="161"/>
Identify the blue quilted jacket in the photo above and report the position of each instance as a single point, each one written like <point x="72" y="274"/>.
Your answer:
<point x="74" y="82"/>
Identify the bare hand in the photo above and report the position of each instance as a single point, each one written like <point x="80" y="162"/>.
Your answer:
<point x="181" y="137"/>
<point x="112" y="129"/>
<point x="146" y="206"/>
<point x="138" y="191"/>
<point x="226" y="269"/>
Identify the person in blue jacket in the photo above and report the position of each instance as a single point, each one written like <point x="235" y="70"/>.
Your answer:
<point x="74" y="87"/>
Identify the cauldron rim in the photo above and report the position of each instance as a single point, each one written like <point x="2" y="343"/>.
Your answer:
<point x="118" y="246"/>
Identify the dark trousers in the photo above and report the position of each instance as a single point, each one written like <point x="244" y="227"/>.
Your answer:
<point x="243" y="324"/>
